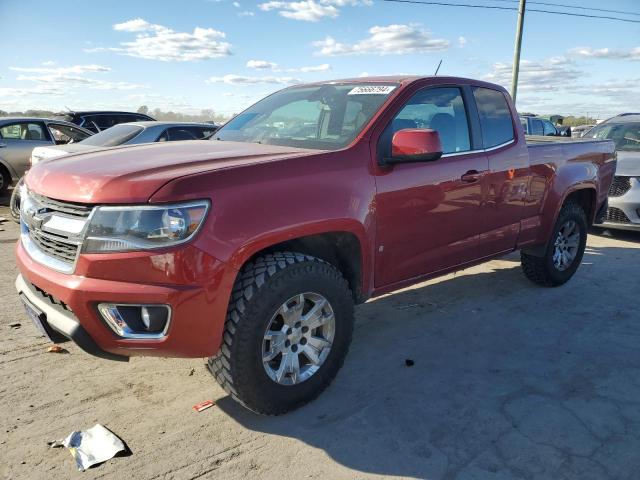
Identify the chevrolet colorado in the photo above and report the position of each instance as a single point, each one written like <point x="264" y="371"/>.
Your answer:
<point x="253" y="248"/>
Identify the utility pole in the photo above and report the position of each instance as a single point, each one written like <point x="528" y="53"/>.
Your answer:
<point x="516" y="52"/>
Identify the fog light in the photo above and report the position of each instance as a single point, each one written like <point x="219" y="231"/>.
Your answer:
<point x="137" y="321"/>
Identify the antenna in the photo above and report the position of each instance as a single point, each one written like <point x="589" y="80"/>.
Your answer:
<point x="437" y="69"/>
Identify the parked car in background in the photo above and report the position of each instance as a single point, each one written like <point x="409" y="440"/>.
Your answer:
<point x="130" y="134"/>
<point x="580" y="130"/>
<point x="96" y="121"/>
<point x="122" y="134"/>
<point x="624" y="194"/>
<point x="252" y="248"/>
<point x="19" y="136"/>
<point x="540" y="126"/>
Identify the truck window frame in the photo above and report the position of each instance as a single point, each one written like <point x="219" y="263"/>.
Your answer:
<point x="473" y="121"/>
<point x="514" y="130"/>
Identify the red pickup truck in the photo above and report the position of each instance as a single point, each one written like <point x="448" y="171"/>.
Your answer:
<point x="253" y="248"/>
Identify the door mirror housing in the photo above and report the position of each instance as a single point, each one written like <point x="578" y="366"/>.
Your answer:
<point x="414" y="145"/>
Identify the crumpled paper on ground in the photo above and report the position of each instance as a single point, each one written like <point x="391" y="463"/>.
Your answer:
<point x="92" y="446"/>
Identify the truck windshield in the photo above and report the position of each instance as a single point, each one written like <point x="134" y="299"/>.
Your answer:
<point x="626" y="136"/>
<point x="324" y="117"/>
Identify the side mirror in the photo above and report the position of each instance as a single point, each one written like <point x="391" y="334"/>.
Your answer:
<point x="414" y="145"/>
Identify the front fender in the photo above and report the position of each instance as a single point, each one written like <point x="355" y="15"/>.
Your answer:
<point x="257" y="206"/>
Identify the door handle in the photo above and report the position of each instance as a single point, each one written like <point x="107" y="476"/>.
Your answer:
<point x="472" y="176"/>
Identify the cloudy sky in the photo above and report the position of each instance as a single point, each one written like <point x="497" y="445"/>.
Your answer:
<point x="225" y="54"/>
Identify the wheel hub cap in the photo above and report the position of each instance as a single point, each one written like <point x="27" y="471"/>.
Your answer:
<point x="566" y="245"/>
<point x="298" y="338"/>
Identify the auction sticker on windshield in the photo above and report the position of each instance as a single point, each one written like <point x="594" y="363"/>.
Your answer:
<point x="372" y="90"/>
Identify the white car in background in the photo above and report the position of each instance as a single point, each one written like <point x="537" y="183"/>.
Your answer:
<point x="624" y="194"/>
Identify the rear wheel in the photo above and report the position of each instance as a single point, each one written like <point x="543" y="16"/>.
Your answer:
<point x="564" y="252"/>
<point x="288" y="330"/>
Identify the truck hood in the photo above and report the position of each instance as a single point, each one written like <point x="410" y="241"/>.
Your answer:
<point x="131" y="174"/>
<point x="628" y="164"/>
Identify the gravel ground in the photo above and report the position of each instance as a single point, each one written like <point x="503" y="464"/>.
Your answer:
<point x="510" y="381"/>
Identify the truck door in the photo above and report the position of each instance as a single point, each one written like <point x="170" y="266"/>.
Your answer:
<point x="505" y="185"/>
<point x="429" y="214"/>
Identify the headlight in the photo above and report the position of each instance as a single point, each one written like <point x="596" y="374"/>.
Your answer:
<point x="117" y="229"/>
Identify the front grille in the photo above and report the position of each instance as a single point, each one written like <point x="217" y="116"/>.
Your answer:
<point x="616" y="215"/>
<point x="75" y="209"/>
<point x="58" y="248"/>
<point x="619" y="186"/>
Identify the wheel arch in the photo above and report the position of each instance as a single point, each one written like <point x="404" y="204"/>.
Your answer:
<point x="584" y="195"/>
<point x="344" y="249"/>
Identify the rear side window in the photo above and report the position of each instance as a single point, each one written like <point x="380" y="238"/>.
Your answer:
<point x="102" y="122"/>
<point x="495" y="117"/>
<point x="536" y="127"/>
<point x="549" y="129"/>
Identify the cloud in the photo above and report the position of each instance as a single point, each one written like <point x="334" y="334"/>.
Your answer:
<point x="547" y="75"/>
<point x="606" y="53"/>
<point x="264" y="65"/>
<point x="261" y="65"/>
<point x="75" y="69"/>
<point x="462" y="41"/>
<point x="10" y="93"/>
<point x="246" y="13"/>
<point x="310" y="10"/>
<point x="247" y="80"/>
<point x="619" y="90"/>
<point x="157" y="42"/>
<point x="385" y="40"/>
<point x="316" y="68"/>
<point x="63" y="78"/>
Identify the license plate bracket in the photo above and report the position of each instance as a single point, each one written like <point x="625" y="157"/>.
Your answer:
<point x="36" y="316"/>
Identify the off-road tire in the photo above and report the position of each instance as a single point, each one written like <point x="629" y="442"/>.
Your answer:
<point x="540" y="269"/>
<point x="262" y="286"/>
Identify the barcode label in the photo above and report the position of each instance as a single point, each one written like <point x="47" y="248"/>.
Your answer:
<point x="372" y="90"/>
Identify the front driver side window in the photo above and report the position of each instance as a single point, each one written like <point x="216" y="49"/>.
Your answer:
<point x="441" y="109"/>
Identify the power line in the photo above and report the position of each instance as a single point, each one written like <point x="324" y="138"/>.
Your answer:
<point x="572" y="6"/>
<point x="495" y="7"/>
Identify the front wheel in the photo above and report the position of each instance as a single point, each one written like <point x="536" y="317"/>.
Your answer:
<point x="564" y="251"/>
<point x="288" y="330"/>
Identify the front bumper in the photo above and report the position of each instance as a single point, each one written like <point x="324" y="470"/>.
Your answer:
<point x="60" y="323"/>
<point x="195" y="285"/>
<point x="624" y="210"/>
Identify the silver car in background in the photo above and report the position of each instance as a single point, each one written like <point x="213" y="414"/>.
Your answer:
<point x="624" y="194"/>
<point x="19" y="136"/>
<point x="130" y="134"/>
<point x="121" y="134"/>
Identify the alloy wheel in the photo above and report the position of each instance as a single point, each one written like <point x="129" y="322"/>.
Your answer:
<point x="298" y="339"/>
<point x="566" y="245"/>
